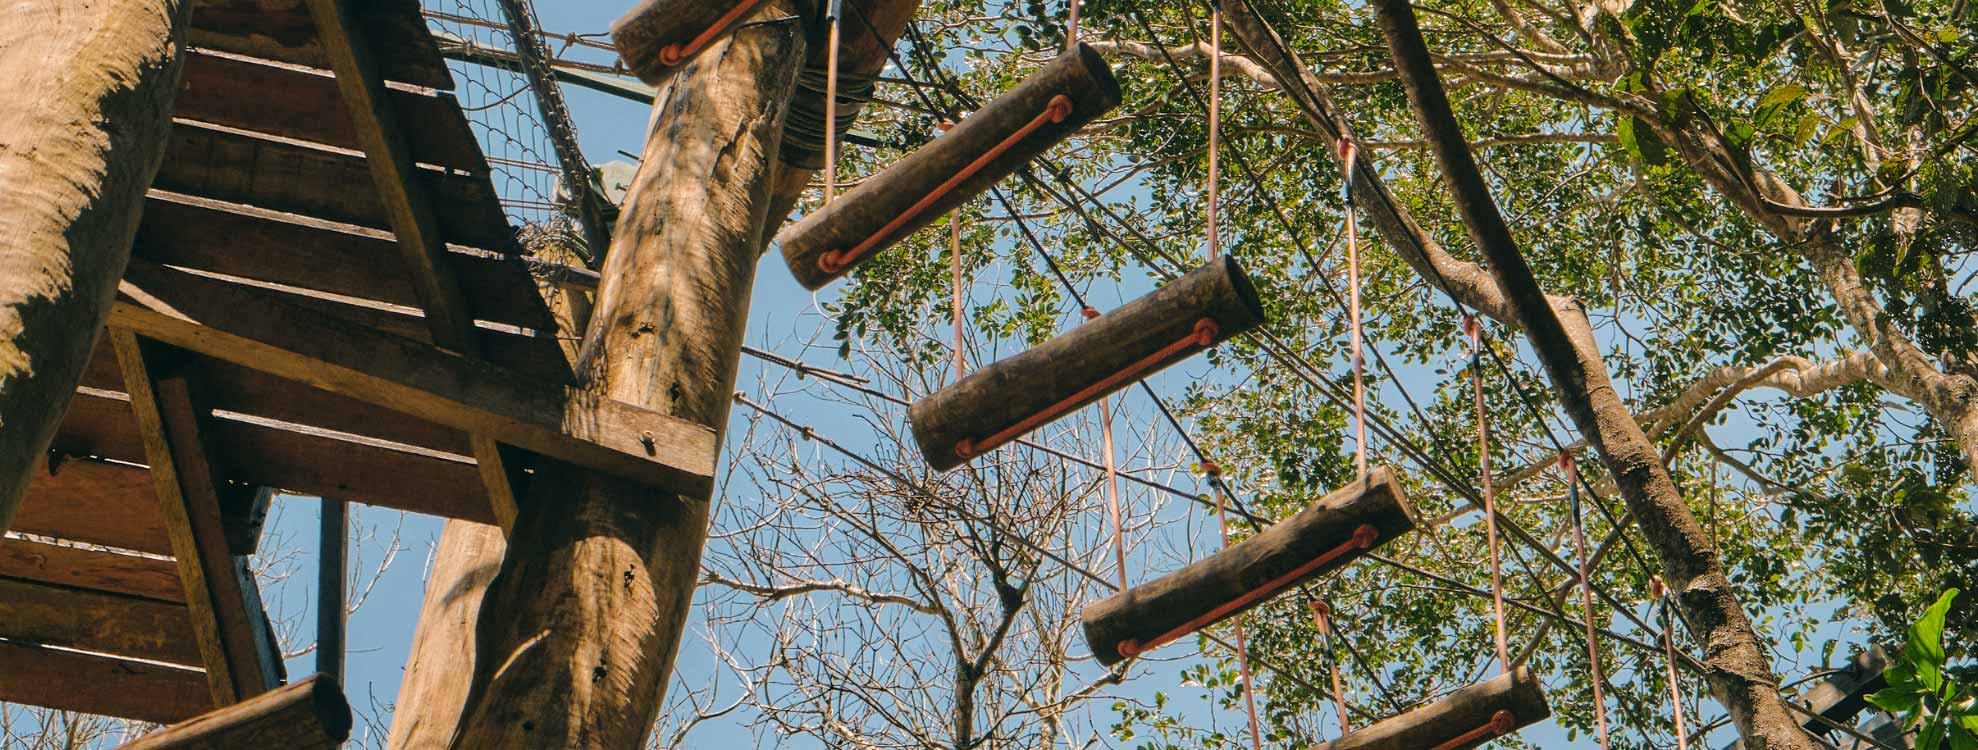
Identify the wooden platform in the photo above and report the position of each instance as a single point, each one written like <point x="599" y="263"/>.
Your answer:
<point x="326" y="298"/>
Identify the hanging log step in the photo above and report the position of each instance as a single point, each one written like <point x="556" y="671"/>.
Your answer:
<point x="1004" y="401"/>
<point x="310" y="714"/>
<point x="656" y="37"/>
<point x="987" y="146"/>
<point x="1462" y="720"/>
<point x="1332" y="533"/>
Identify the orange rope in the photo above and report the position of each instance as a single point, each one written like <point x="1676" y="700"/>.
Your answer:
<point x="1570" y="467"/>
<point x="1242" y="648"/>
<point x="1658" y="591"/>
<point x="1322" y="617"/>
<point x="831" y="109"/>
<point x="1475" y="331"/>
<point x="1203" y="334"/>
<point x="676" y="53"/>
<point x="1112" y="479"/>
<point x="834" y="261"/>
<point x="1347" y="153"/>
<point x="1215" y="127"/>
<point x="1363" y="538"/>
<point x="1071" y="26"/>
<point x="955" y="254"/>
<point x="1500" y="724"/>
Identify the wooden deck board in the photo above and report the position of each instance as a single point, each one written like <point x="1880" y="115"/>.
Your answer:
<point x="65" y="565"/>
<point x="93" y="684"/>
<point x="95" y="502"/>
<point x="282" y="30"/>
<point x="50" y="615"/>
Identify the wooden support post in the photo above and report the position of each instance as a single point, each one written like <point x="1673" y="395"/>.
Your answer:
<point x="412" y="219"/>
<point x="1000" y="403"/>
<point x="1338" y="529"/>
<point x="308" y="715"/>
<point x="89" y="91"/>
<point x="220" y="592"/>
<point x="244" y="512"/>
<point x="980" y="151"/>
<point x="1460" y="713"/>
<point x="333" y="540"/>
<point x="561" y="662"/>
<point x="1738" y="665"/>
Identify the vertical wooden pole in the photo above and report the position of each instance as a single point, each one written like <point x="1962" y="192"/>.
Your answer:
<point x="333" y="540"/>
<point x="578" y="633"/>
<point x="89" y="90"/>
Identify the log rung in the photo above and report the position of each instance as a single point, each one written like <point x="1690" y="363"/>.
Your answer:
<point x="656" y="37"/>
<point x="1461" y="720"/>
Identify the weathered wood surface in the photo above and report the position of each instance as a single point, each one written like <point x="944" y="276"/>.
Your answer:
<point x="656" y="37"/>
<point x="1146" y="612"/>
<point x="226" y="322"/>
<point x="97" y="621"/>
<point x="587" y="665"/>
<point x="282" y="30"/>
<point x="862" y="212"/>
<point x="89" y="91"/>
<point x="1008" y="392"/>
<point x="1737" y="661"/>
<point x="92" y="684"/>
<point x="313" y="180"/>
<point x="293" y="458"/>
<point x="305" y="105"/>
<point x="96" y="502"/>
<point x="243" y="514"/>
<point x="308" y="715"/>
<point x="1844" y="694"/>
<point x="432" y="694"/>
<point x="308" y="253"/>
<point x="224" y="607"/>
<point x="1456" y="714"/>
<point x="76" y="567"/>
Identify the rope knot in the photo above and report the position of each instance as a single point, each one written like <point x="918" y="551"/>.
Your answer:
<point x="1211" y="469"/>
<point x="1059" y="108"/>
<point x="1090" y="312"/>
<point x="1205" y="331"/>
<point x="1365" y="536"/>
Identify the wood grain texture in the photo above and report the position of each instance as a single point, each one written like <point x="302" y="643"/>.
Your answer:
<point x="96" y="502"/>
<point x="644" y="33"/>
<point x="310" y="714"/>
<point x="312" y="180"/>
<point x="241" y="326"/>
<point x="563" y="660"/>
<point x="282" y="30"/>
<point x="97" y="621"/>
<point x="432" y="694"/>
<point x="89" y="90"/>
<point x="96" y="570"/>
<point x="1454" y="715"/>
<point x="103" y="685"/>
<point x="863" y="211"/>
<point x="304" y="104"/>
<point x="1003" y="394"/>
<point x="1147" y="611"/>
<point x="225" y="612"/>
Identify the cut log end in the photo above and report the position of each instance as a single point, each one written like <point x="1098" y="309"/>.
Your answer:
<point x="308" y="715"/>
<point x="656" y="37"/>
<point x="1325" y="537"/>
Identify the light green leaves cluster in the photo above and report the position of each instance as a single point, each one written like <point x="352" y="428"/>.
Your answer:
<point x="1923" y="692"/>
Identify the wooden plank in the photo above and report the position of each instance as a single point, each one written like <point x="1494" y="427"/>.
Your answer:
<point x="342" y="259"/>
<point x="234" y="651"/>
<point x="999" y="403"/>
<point x="243" y="326"/>
<point x="96" y="502"/>
<point x="67" y="565"/>
<point x="308" y="715"/>
<point x="413" y="218"/>
<point x="107" y="686"/>
<point x="1152" y="613"/>
<point x="1455" y="715"/>
<point x="97" y="621"/>
<point x="303" y="104"/>
<point x="294" y="459"/>
<point x="301" y="178"/>
<point x="282" y="30"/>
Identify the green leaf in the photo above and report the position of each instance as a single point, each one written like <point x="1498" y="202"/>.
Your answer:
<point x="1926" y="637"/>
<point x="1895" y="700"/>
<point x="1782" y="95"/>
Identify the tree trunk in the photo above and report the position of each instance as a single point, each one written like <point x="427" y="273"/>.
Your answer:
<point x="1736" y="665"/>
<point x="577" y="636"/>
<point x="91" y="87"/>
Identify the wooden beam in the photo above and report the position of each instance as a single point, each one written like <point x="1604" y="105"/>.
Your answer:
<point x="218" y="320"/>
<point x="291" y="102"/>
<point x="282" y="30"/>
<point x="332" y="567"/>
<point x="231" y="635"/>
<point x="98" y="621"/>
<point x="1145" y="614"/>
<point x="96" y="502"/>
<point x="1455" y="715"/>
<point x="1844" y="694"/>
<point x="94" y="684"/>
<point x="309" y="715"/>
<point x="243" y="513"/>
<point x="88" y="89"/>
<point x="68" y="565"/>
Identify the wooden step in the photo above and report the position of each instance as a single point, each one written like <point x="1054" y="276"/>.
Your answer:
<point x="94" y="502"/>
<point x="151" y="578"/>
<point x="102" y="685"/>
<point x="96" y="621"/>
<point x="282" y="30"/>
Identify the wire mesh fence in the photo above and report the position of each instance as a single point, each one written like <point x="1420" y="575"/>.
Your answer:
<point x="501" y="107"/>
